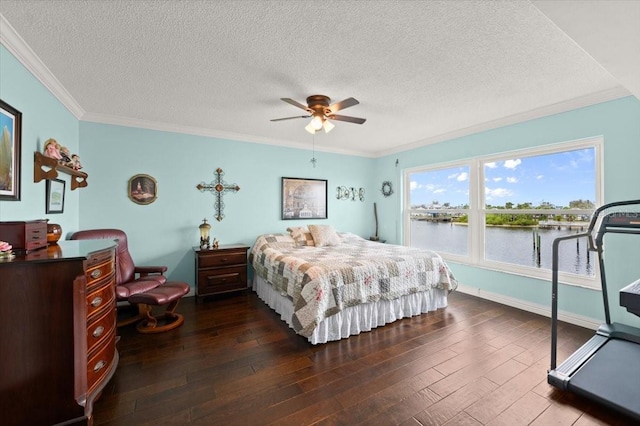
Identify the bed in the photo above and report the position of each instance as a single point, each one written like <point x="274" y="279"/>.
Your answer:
<point x="329" y="288"/>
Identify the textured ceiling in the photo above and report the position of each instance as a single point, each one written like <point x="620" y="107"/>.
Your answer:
<point x="423" y="71"/>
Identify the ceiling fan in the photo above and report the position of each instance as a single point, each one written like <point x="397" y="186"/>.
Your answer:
<point x="321" y="112"/>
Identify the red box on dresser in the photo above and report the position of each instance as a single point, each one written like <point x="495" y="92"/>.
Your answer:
<point x="24" y="236"/>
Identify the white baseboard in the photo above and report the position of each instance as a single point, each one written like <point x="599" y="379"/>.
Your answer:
<point x="570" y="318"/>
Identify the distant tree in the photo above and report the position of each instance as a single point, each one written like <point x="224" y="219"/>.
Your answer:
<point x="581" y="204"/>
<point x="508" y="205"/>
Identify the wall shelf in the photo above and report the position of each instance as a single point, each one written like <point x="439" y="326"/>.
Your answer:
<point x="78" y="178"/>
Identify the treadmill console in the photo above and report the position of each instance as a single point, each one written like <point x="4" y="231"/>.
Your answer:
<point x="621" y="220"/>
<point x="630" y="297"/>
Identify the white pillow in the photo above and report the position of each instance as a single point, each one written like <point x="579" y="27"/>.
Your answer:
<point x="324" y="235"/>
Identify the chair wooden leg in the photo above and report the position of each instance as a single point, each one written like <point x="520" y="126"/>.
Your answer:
<point x="169" y="317"/>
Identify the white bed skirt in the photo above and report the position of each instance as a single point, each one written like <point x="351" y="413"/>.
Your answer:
<point x="355" y="319"/>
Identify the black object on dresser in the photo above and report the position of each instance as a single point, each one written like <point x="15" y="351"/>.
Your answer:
<point x="221" y="270"/>
<point x="57" y="332"/>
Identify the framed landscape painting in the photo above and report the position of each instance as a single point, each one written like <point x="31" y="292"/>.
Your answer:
<point x="304" y="198"/>
<point x="55" y="196"/>
<point x="10" y="150"/>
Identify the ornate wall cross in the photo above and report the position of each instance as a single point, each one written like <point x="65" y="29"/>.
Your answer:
<point x="218" y="187"/>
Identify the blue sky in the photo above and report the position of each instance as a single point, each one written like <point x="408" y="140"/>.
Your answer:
<point x="554" y="178"/>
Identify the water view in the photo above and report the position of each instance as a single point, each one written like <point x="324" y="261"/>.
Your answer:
<point x="508" y="244"/>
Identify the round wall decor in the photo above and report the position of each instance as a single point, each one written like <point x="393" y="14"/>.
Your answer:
<point x="387" y="188"/>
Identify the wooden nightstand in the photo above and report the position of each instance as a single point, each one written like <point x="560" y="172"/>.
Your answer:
<point x="221" y="270"/>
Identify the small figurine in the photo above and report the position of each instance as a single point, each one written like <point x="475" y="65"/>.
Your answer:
<point x="66" y="156"/>
<point x="215" y="243"/>
<point x="75" y="159"/>
<point x="52" y="149"/>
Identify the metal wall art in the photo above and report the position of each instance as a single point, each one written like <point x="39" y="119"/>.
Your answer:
<point x="218" y="187"/>
<point x="387" y="188"/>
<point x="353" y="194"/>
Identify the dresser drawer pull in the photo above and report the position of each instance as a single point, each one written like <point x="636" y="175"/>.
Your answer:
<point x="99" y="366"/>
<point x="96" y="273"/>
<point x="97" y="301"/>
<point x="98" y="331"/>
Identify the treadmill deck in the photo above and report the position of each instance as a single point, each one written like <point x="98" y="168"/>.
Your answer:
<point x="612" y="376"/>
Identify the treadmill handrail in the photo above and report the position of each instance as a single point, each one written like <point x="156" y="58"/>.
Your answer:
<point x="554" y="288"/>
<point x="554" y="272"/>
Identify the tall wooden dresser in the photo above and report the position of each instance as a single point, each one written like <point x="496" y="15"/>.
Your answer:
<point x="57" y="332"/>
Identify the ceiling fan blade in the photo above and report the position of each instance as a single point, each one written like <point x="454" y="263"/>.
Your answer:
<point x="295" y="103"/>
<point x="290" y="118"/>
<point x="346" y="118"/>
<point x="349" y="102"/>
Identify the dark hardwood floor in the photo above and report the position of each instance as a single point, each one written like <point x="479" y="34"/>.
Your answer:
<point x="234" y="362"/>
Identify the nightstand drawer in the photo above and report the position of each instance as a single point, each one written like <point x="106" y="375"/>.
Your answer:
<point x="225" y="258"/>
<point x="222" y="280"/>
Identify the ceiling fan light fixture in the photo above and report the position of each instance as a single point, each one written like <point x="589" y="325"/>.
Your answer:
<point x="309" y="128"/>
<point x="328" y="126"/>
<point x="316" y="121"/>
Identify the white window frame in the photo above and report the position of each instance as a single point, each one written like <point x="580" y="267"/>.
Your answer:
<point x="477" y="211"/>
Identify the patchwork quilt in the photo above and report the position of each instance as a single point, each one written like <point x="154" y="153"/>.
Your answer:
<point x="322" y="281"/>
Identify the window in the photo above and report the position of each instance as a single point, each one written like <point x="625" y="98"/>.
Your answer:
<point x="504" y="211"/>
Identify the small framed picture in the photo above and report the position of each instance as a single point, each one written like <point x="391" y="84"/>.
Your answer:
<point x="55" y="196"/>
<point x="143" y="189"/>
<point x="304" y="198"/>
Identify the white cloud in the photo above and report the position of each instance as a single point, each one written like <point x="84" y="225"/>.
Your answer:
<point x="539" y="177"/>
<point x="491" y="165"/>
<point x="498" y="192"/>
<point x="512" y="180"/>
<point x="463" y="177"/>
<point x="413" y="185"/>
<point x="452" y="176"/>
<point x="497" y="179"/>
<point x="512" y="164"/>
<point x="440" y="191"/>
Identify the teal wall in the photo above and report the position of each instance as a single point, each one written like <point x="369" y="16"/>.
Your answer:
<point x="164" y="232"/>
<point x="617" y="121"/>
<point x="43" y="117"/>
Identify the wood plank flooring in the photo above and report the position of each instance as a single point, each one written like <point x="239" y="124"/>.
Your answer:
<point x="234" y="362"/>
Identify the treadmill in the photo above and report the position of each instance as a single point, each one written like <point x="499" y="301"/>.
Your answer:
<point x="605" y="369"/>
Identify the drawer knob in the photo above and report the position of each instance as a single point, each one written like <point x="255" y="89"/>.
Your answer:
<point x="99" y="365"/>
<point x="98" y="331"/>
<point x="97" y="301"/>
<point x="96" y="273"/>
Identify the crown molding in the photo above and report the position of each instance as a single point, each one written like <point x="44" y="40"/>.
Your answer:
<point x="557" y="108"/>
<point x="12" y="41"/>
<point x="198" y="131"/>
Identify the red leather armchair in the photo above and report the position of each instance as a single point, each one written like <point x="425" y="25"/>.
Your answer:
<point x="130" y="279"/>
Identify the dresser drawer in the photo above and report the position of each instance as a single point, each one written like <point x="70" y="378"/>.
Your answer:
<point x="100" y="298"/>
<point x="99" y="329"/>
<point x="98" y="258"/>
<point x="222" y="280"/>
<point x="100" y="363"/>
<point x="225" y="258"/>
<point x="99" y="271"/>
